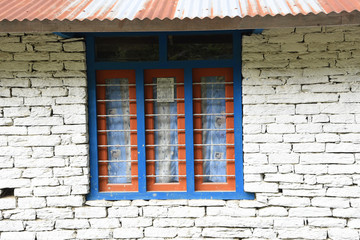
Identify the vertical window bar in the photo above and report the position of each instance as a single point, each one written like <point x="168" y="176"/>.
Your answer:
<point x="140" y="98"/>
<point x="189" y="134"/>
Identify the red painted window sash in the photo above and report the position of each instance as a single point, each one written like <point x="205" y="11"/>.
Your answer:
<point x="149" y="124"/>
<point x="101" y="77"/>
<point x="230" y="150"/>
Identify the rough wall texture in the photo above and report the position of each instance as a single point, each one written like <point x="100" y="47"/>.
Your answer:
<point x="301" y="96"/>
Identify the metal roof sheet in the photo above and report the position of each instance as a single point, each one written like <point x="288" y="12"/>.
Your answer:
<point x="161" y="9"/>
<point x="145" y="10"/>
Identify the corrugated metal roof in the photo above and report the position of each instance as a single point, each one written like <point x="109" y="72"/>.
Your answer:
<point x="121" y="12"/>
<point x="161" y="9"/>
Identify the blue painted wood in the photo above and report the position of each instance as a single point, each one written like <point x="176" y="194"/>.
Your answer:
<point x="237" y="77"/>
<point x="91" y="75"/>
<point x="140" y="116"/>
<point x="163" y="47"/>
<point x="189" y="133"/>
<point x="164" y="65"/>
<point x="169" y="195"/>
<point x="235" y="63"/>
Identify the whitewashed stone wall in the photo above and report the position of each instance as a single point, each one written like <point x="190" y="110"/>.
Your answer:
<point x="301" y="96"/>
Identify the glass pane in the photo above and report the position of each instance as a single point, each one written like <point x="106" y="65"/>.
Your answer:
<point x="200" y="47"/>
<point x="166" y="135"/>
<point x="213" y="106"/>
<point x="118" y="126"/>
<point x="124" y="49"/>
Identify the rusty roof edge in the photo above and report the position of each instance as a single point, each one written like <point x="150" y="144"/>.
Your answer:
<point x="187" y="24"/>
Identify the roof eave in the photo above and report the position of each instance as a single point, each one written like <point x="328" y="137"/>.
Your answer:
<point x="196" y="24"/>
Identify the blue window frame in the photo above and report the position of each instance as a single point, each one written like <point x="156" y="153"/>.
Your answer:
<point x="139" y="68"/>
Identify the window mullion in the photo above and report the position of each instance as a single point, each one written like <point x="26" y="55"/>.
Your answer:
<point x="237" y="79"/>
<point x="140" y="105"/>
<point x="189" y="133"/>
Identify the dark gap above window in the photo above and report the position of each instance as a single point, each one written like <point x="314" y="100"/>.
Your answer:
<point x="200" y="47"/>
<point x="127" y="49"/>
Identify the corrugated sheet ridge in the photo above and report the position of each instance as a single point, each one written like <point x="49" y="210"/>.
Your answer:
<point x="165" y="9"/>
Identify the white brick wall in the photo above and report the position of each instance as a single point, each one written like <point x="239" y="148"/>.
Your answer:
<point x="301" y="118"/>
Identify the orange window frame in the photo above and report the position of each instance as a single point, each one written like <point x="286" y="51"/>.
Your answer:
<point x="104" y="185"/>
<point x="230" y="185"/>
<point x="149" y="75"/>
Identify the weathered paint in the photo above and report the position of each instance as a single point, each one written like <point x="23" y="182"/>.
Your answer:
<point x="164" y="9"/>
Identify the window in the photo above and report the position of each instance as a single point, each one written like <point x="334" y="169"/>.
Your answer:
<point x="162" y="125"/>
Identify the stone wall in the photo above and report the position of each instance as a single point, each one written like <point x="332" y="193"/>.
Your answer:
<point x="301" y="114"/>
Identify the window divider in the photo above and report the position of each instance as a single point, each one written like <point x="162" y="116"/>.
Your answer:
<point x="189" y="134"/>
<point x="163" y="48"/>
<point x="140" y="105"/>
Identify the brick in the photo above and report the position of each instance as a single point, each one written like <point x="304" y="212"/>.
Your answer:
<point x="123" y="212"/>
<point x="38" y="121"/>
<point x="273" y="212"/>
<point x="283" y="178"/>
<point x="48" y="66"/>
<point x="94" y="234"/>
<point x="77" y="66"/>
<point x="39" y="162"/>
<point x="227" y="211"/>
<point x="160" y="232"/>
<point x="48" y="47"/>
<point x="327" y="158"/>
<point x="40" y="225"/>
<point x="34" y="140"/>
<point x="39" y="38"/>
<point x="326" y="222"/>
<point x="269" y="109"/>
<point x="14" y="183"/>
<point x="74" y="46"/>
<point x="261" y="187"/>
<point x="54" y="213"/>
<point x="44" y="182"/>
<point x="221" y="221"/>
<point x="68" y="150"/>
<point x="334" y="180"/>
<point x="7" y="203"/>
<point x="303" y="233"/>
<point x="10" y="173"/>
<point x="17" y="236"/>
<point x="347" y="213"/>
<point x="90" y="212"/>
<point x="289" y="201"/>
<point x="31" y="56"/>
<point x="56" y="235"/>
<point x="281" y="223"/>
<point x="74" y="201"/>
<point x="52" y="191"/>
<point x="350" y="191"/>
<point x="32" y="203"/>
<point x="330" y="202"/>
<point x="226" y="233"/>
<point x="12" y="47"/>
<point x="72" y="224"/>
<point x="69" y="109"/>
<point x="137" y="222"/>
<point x="128" y="233"/>
<point x="173" y="222"/>
<point x="342" y="233"/>
<point x="11" y="226"/>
